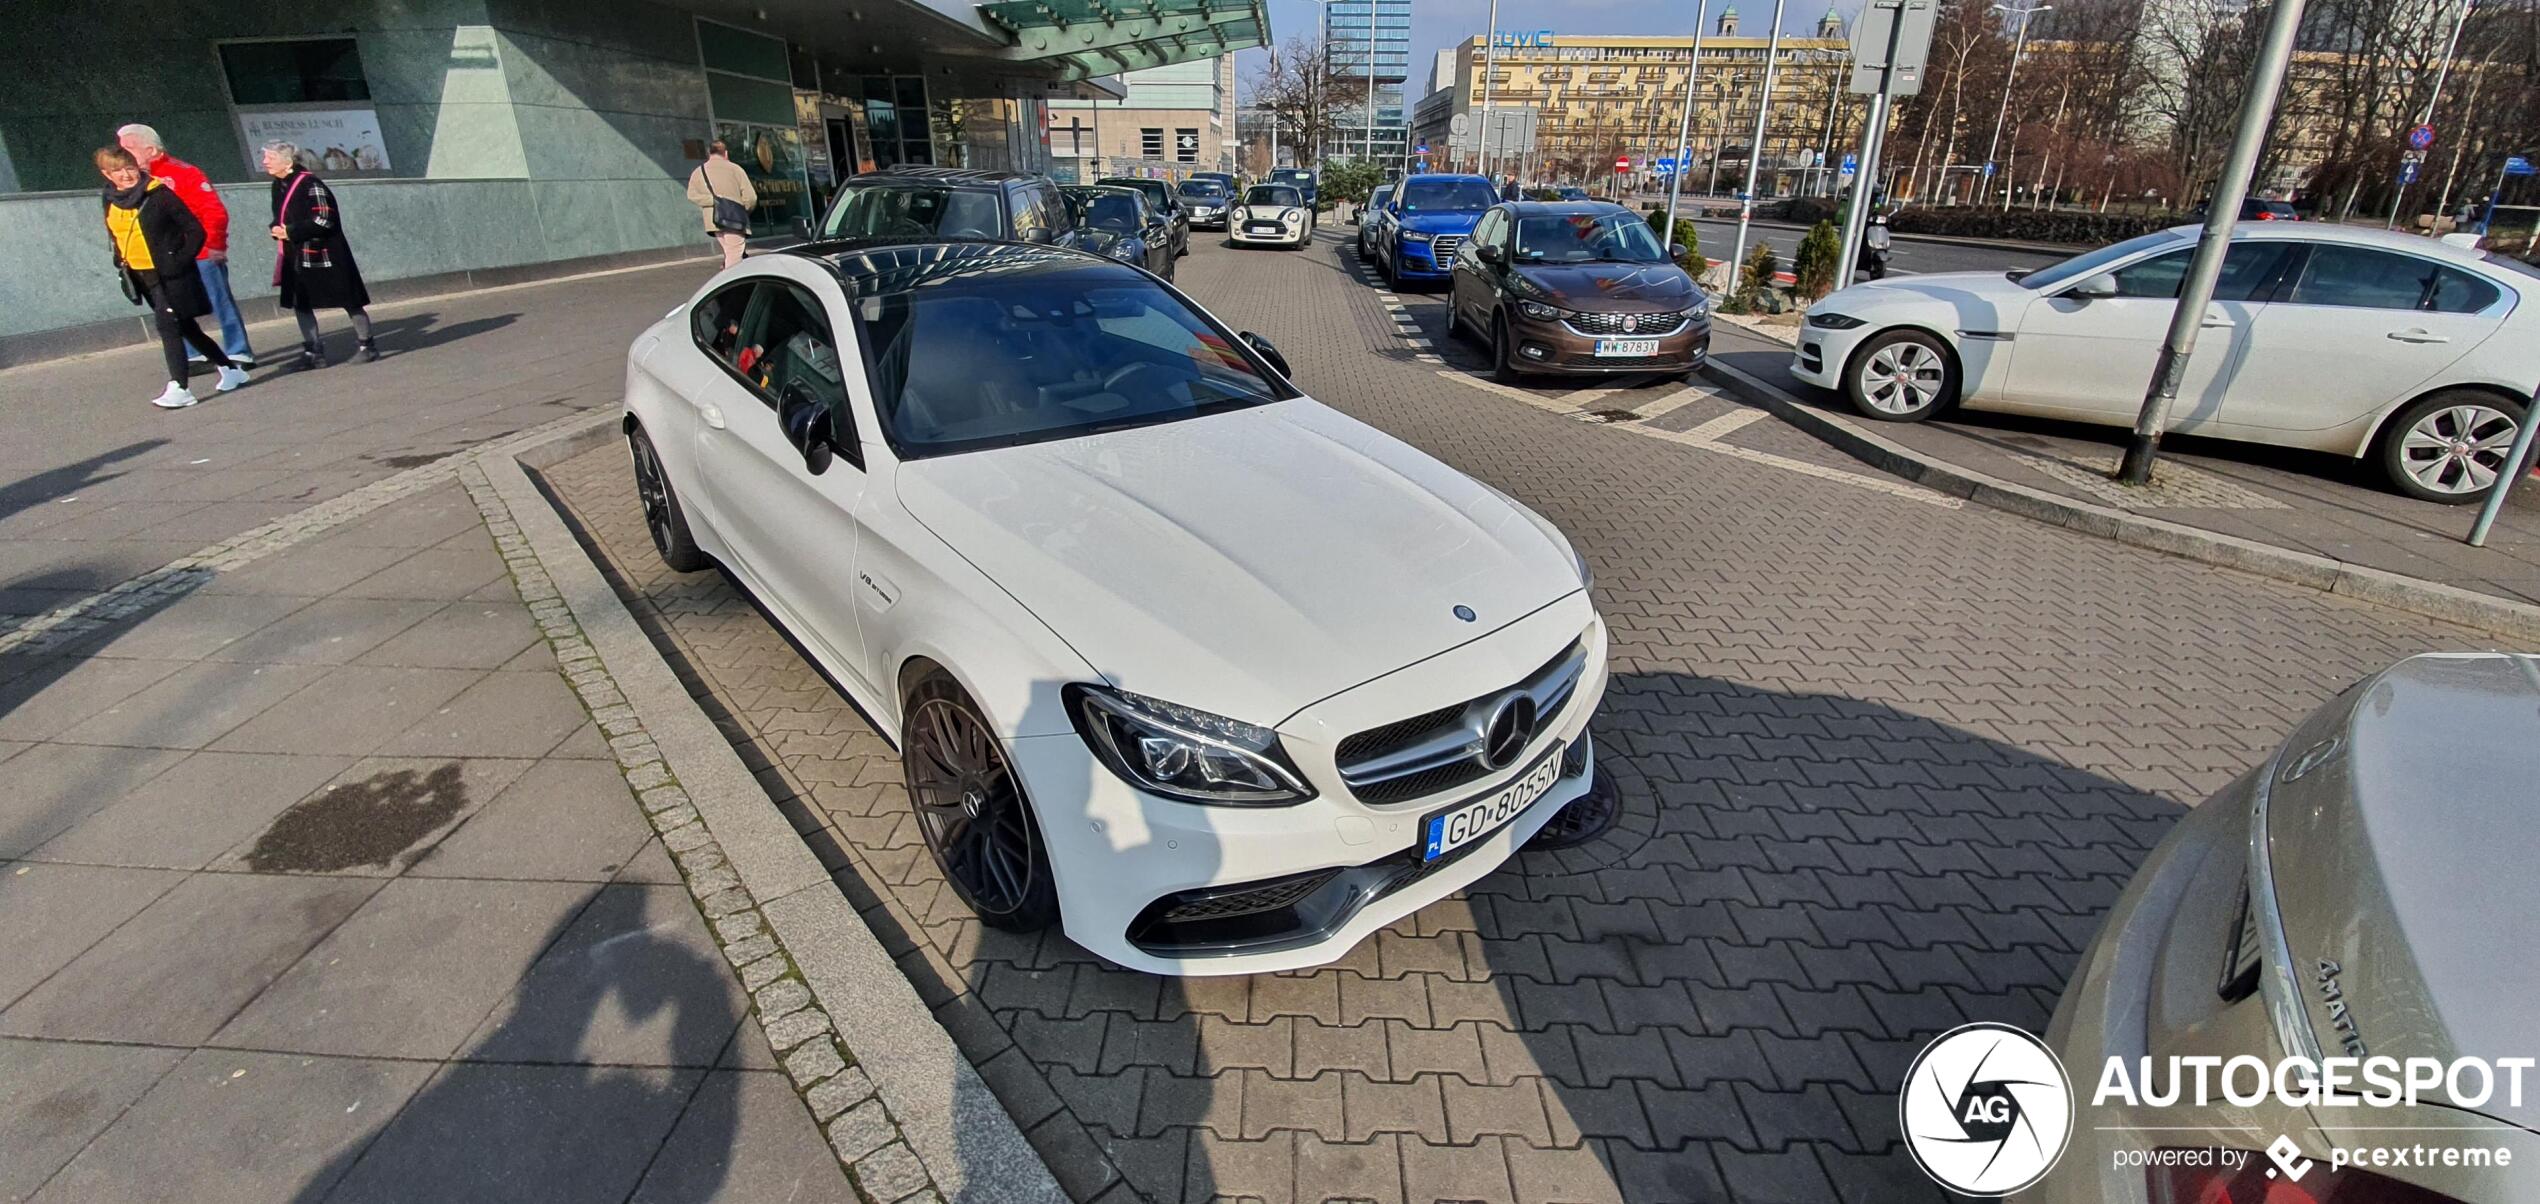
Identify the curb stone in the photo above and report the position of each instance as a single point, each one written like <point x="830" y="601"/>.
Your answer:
<point x="905" y="1112"/>
<point x="2430" y="599"/>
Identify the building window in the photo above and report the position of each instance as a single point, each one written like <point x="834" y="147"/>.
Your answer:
<point x="293" y="73"/>
<point x="1151" y="142"/>
<point x="1186" y="146"/>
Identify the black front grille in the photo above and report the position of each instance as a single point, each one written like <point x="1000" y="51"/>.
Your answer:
<point x="1191" y="906"/>
<point x="1643" y="325"/>
<point x="1627" y="361"/>
<point x="1377" y="741"/>
<point x="1358" y="750"/>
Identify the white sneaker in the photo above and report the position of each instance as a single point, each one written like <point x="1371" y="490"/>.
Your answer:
<point x="175" y="397"/>
<point x="230" y="378"/>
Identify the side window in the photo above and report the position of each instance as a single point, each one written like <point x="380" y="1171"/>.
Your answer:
<point x="788" y="346"/>
<point x="2249" y="270"/>
<point x="716" y="322"/>
<point x="2363" y="278"/>
<point x="2458" y="292"/>
<point x="1035" y="219"/>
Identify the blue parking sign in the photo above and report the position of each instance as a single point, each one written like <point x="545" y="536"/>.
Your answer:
<point x="2408" y="172"/>
<point x="2516" y="165"/>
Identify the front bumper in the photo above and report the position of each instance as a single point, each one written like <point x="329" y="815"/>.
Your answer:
<point x="1553" y="348"/>
<point x="1208" y="221"/>
<point x="1819" y="356"/>
<point x="1117" y="851"/>
<point x="1418" y="261"/>
<point x="1287" y="234"/>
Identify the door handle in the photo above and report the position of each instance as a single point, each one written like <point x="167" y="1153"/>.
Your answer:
<point x="712" y="416"/>
<point x="2214" y="320"/>
<point x="2414" y="335"/>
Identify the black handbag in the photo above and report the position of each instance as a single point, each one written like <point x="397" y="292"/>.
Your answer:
<point x="730" y="216"/>
<point x="131" y="291"/>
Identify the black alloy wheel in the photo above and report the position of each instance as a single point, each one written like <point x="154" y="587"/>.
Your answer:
<point x="1503" y="354"/>
<point x="972" y="810"/>
<point x="669" y="528"/>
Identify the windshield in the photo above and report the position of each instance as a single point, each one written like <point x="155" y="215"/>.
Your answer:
<point x="1587" y="238"/>
<point x="1154" y="189"/>
<point x="1111" y="211"/>
<point x="1205" y="189"/>
<point x="902" y="211"/>
<point x="1293" y="175"/>
<point x="992" y="360"/>
<point x="2091" y="261"/>
<point x="1447" y="196"/>
<point x="1268" y="195"/>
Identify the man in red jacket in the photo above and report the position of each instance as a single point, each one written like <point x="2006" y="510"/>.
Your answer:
<point x="195" y="189"/>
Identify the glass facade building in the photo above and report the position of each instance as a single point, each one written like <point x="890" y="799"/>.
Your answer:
<point x="1347" y="44"/>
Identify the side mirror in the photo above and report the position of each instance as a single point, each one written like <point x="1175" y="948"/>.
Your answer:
<point x="802" y="229"/>
<point x="2093" y="287"/>
<point x="809" y="425"/>
<point x="1357" y="217"/>
<point x="1491" y="254"/>
<point x="1676" y="252"/>
<point x="1263" y="348"/>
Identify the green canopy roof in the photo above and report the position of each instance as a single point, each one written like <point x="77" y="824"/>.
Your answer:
<point x="1088" y="38"/>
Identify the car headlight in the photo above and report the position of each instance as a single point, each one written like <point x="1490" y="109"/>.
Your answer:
<point x="1701" y="306"/>
<point x="1538" y="311"/>
<point x="1179" y="752"/>
<point x="1416" y="236"/>
<point x="1289" y="215"/>
<point x="1834" y="321"/>
<point x="1123" y="250"/>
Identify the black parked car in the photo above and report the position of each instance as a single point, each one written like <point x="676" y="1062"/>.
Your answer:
<point x="945" y="202"/>
<point x="1208" y="199"/>
<point x="1119" y="222"/>
<point x="1161" y="196"/>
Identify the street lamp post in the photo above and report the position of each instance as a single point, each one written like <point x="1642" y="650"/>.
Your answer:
<point x="2018" y="45"/>
<point x="1371" y="79"/>
<point x="1755" y="148"/>
<point x="1684" y="120"/>
<point x="1490" y="61"/>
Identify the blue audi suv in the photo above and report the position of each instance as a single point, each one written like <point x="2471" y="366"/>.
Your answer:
<point x="1426" y="219"/>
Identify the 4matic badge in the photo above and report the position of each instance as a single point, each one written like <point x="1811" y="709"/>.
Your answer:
<point x="1986" y="1109"/>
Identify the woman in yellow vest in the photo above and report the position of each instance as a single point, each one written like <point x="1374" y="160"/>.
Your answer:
<point x="155" y="238"/>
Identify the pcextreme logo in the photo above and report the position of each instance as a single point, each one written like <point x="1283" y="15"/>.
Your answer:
<point x="1986" y="1109"/>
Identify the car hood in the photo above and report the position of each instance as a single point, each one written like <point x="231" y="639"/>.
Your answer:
<point x="1441" y="223"/>
<point x="2400" y="826"/>
<point x="1611" y="287"/>
<point x="1948" y="286"/>
<point x="1101" y="241"/>
<point x="1246" y="563"/>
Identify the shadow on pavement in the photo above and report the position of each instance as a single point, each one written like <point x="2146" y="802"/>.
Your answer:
<point x="525" y="1114"/>
<point x="410" y="332"/>
<point x="36" y="489"/>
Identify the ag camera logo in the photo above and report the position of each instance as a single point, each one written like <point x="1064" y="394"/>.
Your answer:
<point x="1986" y="1109"/>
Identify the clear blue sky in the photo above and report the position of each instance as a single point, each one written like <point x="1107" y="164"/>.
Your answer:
<point x="1437" y="24"/>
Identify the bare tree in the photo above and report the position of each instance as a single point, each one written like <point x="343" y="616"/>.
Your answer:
<point x="1299" y="89"/>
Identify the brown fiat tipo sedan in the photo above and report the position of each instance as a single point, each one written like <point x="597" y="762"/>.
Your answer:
<point x="1576" y="287"/>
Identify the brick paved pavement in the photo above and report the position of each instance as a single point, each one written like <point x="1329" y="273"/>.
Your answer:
<point x="1884" y="764"/>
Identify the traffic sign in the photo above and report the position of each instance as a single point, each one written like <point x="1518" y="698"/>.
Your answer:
<point x="2516" y="165"/>
<point x="1461" y="125"/>
<point x="1622" y="162"/>
<point x="2421" y="137"/>
<point x="1871" y="38"/>
<point x="2408" y="172"/>
<point x="1851" y="164"/>
<point x="1422" y="149"/>
<point x="1988" y="169"/>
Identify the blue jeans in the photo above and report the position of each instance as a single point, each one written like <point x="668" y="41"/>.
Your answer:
<point x="233" y="329"/>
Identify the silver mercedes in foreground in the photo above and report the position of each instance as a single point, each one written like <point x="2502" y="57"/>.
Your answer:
<point x="2371" y="892"/>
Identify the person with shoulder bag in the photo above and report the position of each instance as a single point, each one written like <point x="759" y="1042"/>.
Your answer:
<point x="155" y="238"/>
<point x="723" y="192"/>
<point x="313" y="260"/>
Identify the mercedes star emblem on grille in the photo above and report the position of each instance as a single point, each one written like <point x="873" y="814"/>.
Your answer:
<point x="1511" y="728"/>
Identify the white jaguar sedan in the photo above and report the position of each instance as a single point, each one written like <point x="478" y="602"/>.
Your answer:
<point x="2415" y="353"/>
<point x="1215" y="678"/>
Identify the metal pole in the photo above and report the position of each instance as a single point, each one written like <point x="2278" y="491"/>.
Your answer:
<point x="1984" y="184"/>
<point x="2257" y="107"/>
<point x="1371" y="79"/>
<point x="1490" y="59"/>
<point x="1684" y="120"/>
<point x="2517" y="462"/>
<point x="2440" y="73"/>
<point x="1873" y="132"/>
<point x="1755" y="148"/>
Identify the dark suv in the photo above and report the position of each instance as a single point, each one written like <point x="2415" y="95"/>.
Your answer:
<point x="1166" y="201"/>
<point x="948" y="202"/>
